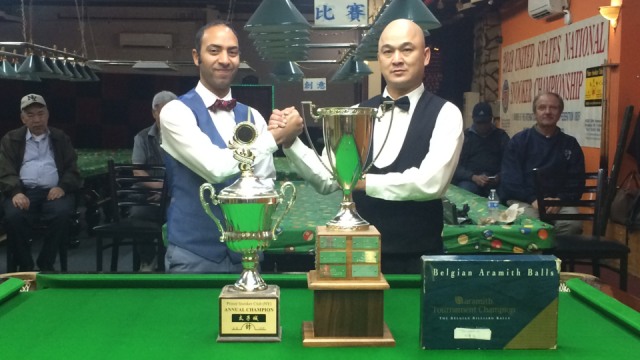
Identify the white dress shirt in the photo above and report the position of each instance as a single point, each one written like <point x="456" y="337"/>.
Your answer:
<point x="427" y="182"/>
<point x="188" y="144"/>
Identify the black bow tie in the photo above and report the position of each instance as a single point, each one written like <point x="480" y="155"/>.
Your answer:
<point x="226" y="105"/>
<point x="402" y="103"/>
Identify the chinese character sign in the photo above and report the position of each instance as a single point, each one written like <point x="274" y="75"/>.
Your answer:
<point x="314" y="84"/>
<point x="340" y="12"/>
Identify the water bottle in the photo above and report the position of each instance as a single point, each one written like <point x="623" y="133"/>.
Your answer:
<point x="492" y="205"/>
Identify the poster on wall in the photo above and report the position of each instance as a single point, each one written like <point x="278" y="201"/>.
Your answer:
<point x="564" y="61"/>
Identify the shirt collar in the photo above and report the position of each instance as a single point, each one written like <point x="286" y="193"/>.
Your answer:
<point x="208" y="97"/>
<point x="413" y="96"/>
<point x="30" y="136"/>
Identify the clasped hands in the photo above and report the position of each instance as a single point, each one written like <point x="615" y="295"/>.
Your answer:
<point x="285" y="126"/>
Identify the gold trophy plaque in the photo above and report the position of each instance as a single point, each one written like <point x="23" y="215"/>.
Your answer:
<point x="249" y="309"/>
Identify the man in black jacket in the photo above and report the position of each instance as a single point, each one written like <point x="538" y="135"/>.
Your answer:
<point x="38" y="177"/>
<point x="478" y="169"/>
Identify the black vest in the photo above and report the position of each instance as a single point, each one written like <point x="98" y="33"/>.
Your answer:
<point x="407" y="226"/>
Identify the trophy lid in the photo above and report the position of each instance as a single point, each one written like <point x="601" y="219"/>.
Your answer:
<point x="247" y="188"/>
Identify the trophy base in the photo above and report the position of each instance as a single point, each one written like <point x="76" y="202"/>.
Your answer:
<point x="347" y="313"/>
<point x="310" y="340"/>
<point x="249" y="316"/>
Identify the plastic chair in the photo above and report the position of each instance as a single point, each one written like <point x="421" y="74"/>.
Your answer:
<point x="584" y="248"/>
<point x="127" y="191"/>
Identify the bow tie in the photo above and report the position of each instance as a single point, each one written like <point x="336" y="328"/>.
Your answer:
<point x="226" y="105"/>
<point x="402" y="103"/>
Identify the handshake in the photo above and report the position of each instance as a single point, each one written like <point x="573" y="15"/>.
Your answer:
<point x="285" y="126"/>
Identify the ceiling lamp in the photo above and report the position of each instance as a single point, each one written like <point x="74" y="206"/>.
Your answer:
<point x="34" y="67"/>
<point x="279" y="31"/>
<point x="58" y="73"/>
<point x="70" y="66"/>
<point x="8" y="71"/>
<point x="60" y="64"/>
<point x="287" y="71"/>
<point x="414" y="10"/>
<point x="352" y="70"/>
<point x="276" y="15"/>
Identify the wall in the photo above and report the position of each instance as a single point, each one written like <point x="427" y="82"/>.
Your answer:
<point x="623" y="81"/>
<point x="58" y="26"/>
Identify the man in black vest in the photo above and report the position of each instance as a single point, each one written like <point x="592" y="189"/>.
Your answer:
<point x="401" y="194"/>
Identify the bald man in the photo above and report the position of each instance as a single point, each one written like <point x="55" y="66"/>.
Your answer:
<point x="402" y="192"/>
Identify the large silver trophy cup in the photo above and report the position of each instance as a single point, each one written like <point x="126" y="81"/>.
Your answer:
<point x="248" y="206"/>
<point x="348" y="136"/>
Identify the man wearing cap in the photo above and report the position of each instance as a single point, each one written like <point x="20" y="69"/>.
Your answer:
<point x="478" y="169"/>
<point x="38" y="177"/>
<point x="146" y="150"/>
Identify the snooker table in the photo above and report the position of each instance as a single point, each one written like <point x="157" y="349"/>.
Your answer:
<point x="162" y="316"/>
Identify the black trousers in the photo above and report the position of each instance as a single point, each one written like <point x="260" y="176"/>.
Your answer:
<point x="55" y="214"/>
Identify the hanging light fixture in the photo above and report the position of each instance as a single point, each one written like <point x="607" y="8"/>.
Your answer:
<point x="34" y="67"/>
<point x="70" y="66"/>
<point x="352" y="70"/>
<point x="8" y="71"/>
<point x="276" y="15"/>
<point x="414" y="10"/>
<point x="287" y="71"/>
<point x="57" y="72"/>
<point x="60" y="64"/>
<point x="279" y="30"/>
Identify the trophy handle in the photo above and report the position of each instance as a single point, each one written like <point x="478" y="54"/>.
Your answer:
<point x="207" y="209"/>
<point x="311" y="107"/>
<point x="385" y="105"/>
<point x="287" y="208"/>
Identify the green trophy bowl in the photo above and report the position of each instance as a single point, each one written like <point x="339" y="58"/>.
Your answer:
<point x="348" y="134"/>
<point x="248" y="207"/>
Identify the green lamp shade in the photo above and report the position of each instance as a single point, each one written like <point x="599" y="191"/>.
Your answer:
<point x="70" y="66"/>
<point x="34" y="66"/>
<point x="60" y="64"/>
<point x="9" y="71"/>
<point x="92" y="75"/>
<point x="287" y="71"/>
<point x="276" y="16"/>
<point x="414" y="10"/>
<point x="58" y="73"/>
<point x="352" y="70"/>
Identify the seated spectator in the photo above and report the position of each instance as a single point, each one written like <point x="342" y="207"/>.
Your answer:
<point x="38" y="177"/>
<point x="146" y="150"/>
<point x="544" y="146"/>
<point x="478" y="169"/>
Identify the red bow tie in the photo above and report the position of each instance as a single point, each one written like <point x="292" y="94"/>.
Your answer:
<point x="226" y="105"/>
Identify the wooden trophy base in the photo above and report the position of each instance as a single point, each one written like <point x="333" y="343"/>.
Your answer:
<point x="347" y="313"/>
<point x="250" y="316"/>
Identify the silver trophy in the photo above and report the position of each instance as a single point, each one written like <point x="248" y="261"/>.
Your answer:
<point x="348" y="135"/>
<point x="248" y="206"/>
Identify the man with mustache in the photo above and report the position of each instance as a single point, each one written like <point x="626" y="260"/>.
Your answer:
<point x="545" y="147"/>
<point x="196" y="129"/>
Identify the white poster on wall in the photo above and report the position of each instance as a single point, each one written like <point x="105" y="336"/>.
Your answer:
<point x="558" y="61"/>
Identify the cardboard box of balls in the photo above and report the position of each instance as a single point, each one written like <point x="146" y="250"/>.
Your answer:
<point x="489" y="302"/>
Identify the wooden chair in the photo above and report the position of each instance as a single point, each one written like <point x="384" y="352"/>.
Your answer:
<point x="127" y="191"/>
<point x="584" y="248"/>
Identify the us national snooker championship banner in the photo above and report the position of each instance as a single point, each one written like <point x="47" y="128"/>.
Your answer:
<point x="567" y="61"/>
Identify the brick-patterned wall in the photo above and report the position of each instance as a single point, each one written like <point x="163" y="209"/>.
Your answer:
<point x="486" y="67"/>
